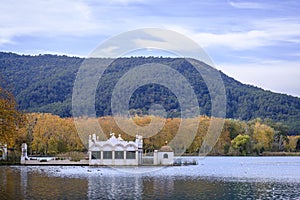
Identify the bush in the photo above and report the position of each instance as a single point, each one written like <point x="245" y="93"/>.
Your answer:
<point x="72" y="156"/>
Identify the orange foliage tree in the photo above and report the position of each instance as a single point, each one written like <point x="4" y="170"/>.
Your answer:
<point x="11" y="120"/>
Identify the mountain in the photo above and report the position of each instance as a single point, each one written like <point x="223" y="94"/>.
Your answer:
<point x="44" y="83"/>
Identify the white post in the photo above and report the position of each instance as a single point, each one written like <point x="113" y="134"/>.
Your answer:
<point x="139" y="142"/>
<point x="137" y="160"/>
<point x="155" y="157"/>
<point x="90" y="157"/>
<point x="113" y="157"/>
<point x="94" y="137"/>
<point x="4" y="156"/>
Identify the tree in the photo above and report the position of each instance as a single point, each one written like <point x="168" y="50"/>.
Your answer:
<point x="241" y="143"/>
<point x="280" y="135"/>
<point x="52" y="135"/>
<point x="11" y="120"/>
<point x="263" y="137"/>
<point x="293" y="143"/>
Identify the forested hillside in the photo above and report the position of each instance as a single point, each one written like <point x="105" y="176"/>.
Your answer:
<point x="44" y="83"/>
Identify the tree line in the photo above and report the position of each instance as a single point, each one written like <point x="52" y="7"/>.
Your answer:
<point x="48" y="134"/>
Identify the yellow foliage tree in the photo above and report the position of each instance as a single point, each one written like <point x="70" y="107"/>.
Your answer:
<point x="292" y="144"/>
<point x="52" y="135"/>
<point x="263" y="137"/>
<point x="11" y="120"/>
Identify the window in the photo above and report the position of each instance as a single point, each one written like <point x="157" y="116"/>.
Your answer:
<point x="119" y="154"/>
<point x="166" y="156"/>
<point x="96" y="155"/>
<point x="130" y="155"/>
<point x="107" y="154"/>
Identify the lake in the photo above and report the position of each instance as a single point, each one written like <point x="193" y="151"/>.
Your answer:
<point x="212" y="178"/>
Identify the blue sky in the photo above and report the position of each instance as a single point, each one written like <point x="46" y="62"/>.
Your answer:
<point x="256" y="42"/>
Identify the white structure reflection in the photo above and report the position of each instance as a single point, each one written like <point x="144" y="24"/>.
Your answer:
<point x="115" y="187"/>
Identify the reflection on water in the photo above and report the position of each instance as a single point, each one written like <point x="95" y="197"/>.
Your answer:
<point x="115" y="187"/>
<point x="187" y="182"/>
<point x="20" y="184"/>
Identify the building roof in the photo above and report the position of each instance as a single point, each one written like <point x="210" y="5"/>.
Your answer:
<point x="114" y="142"/>
<point x="165" y="149"/>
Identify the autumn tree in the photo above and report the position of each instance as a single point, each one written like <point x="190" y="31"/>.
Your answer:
<point x="263" y="137"/>
<point x="293" y="143"/>
<point x="241" y="143"/>
<point x="11" y="120"/>
<point x="280" y="134"/>
<point x="53" y="135"/>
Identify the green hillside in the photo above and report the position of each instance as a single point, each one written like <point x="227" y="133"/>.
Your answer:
<point x="44" y="83"/>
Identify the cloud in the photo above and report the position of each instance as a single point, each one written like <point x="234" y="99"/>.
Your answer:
<point x="262" y="33"/>
<point x="76" y="18"/>
<point x="107" y="52"/>
<point x="124" y="2"/>
<point x="163" y="39"/>
<point x="238" y="41"/>
<point x="48" y="18"/>
<point x="276" y="75"/>
<point x="248" y="5"/>
<point x="285" y="29"/>
<point x="234" y="40"/>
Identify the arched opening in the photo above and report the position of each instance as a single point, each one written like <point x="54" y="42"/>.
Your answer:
<point x="298" y="145"/>
<point x="1" y="154"/>
<point x="166" y="156"/>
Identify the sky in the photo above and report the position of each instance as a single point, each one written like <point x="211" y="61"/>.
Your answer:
<point x="255" y="42"/>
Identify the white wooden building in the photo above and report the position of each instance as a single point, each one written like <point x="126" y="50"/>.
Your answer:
<point x="115" y="151"/>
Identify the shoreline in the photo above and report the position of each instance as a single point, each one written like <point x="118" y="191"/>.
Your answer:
<point x="264" y="154"/>
<point x="86" y="162"/>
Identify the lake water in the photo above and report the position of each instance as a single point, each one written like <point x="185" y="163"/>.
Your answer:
<point x="212" y="178"/>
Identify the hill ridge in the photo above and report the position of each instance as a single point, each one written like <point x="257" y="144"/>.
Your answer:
<point x="44" y="83"/>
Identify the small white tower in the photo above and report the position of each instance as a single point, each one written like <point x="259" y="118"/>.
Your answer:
<point x="24" y="153"/>
<point x="139" y="141"/>
<point x="164" y="156"/>
<point x="3" y="150"/>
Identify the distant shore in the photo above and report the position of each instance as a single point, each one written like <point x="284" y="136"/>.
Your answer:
<point x="281" y="154"/>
